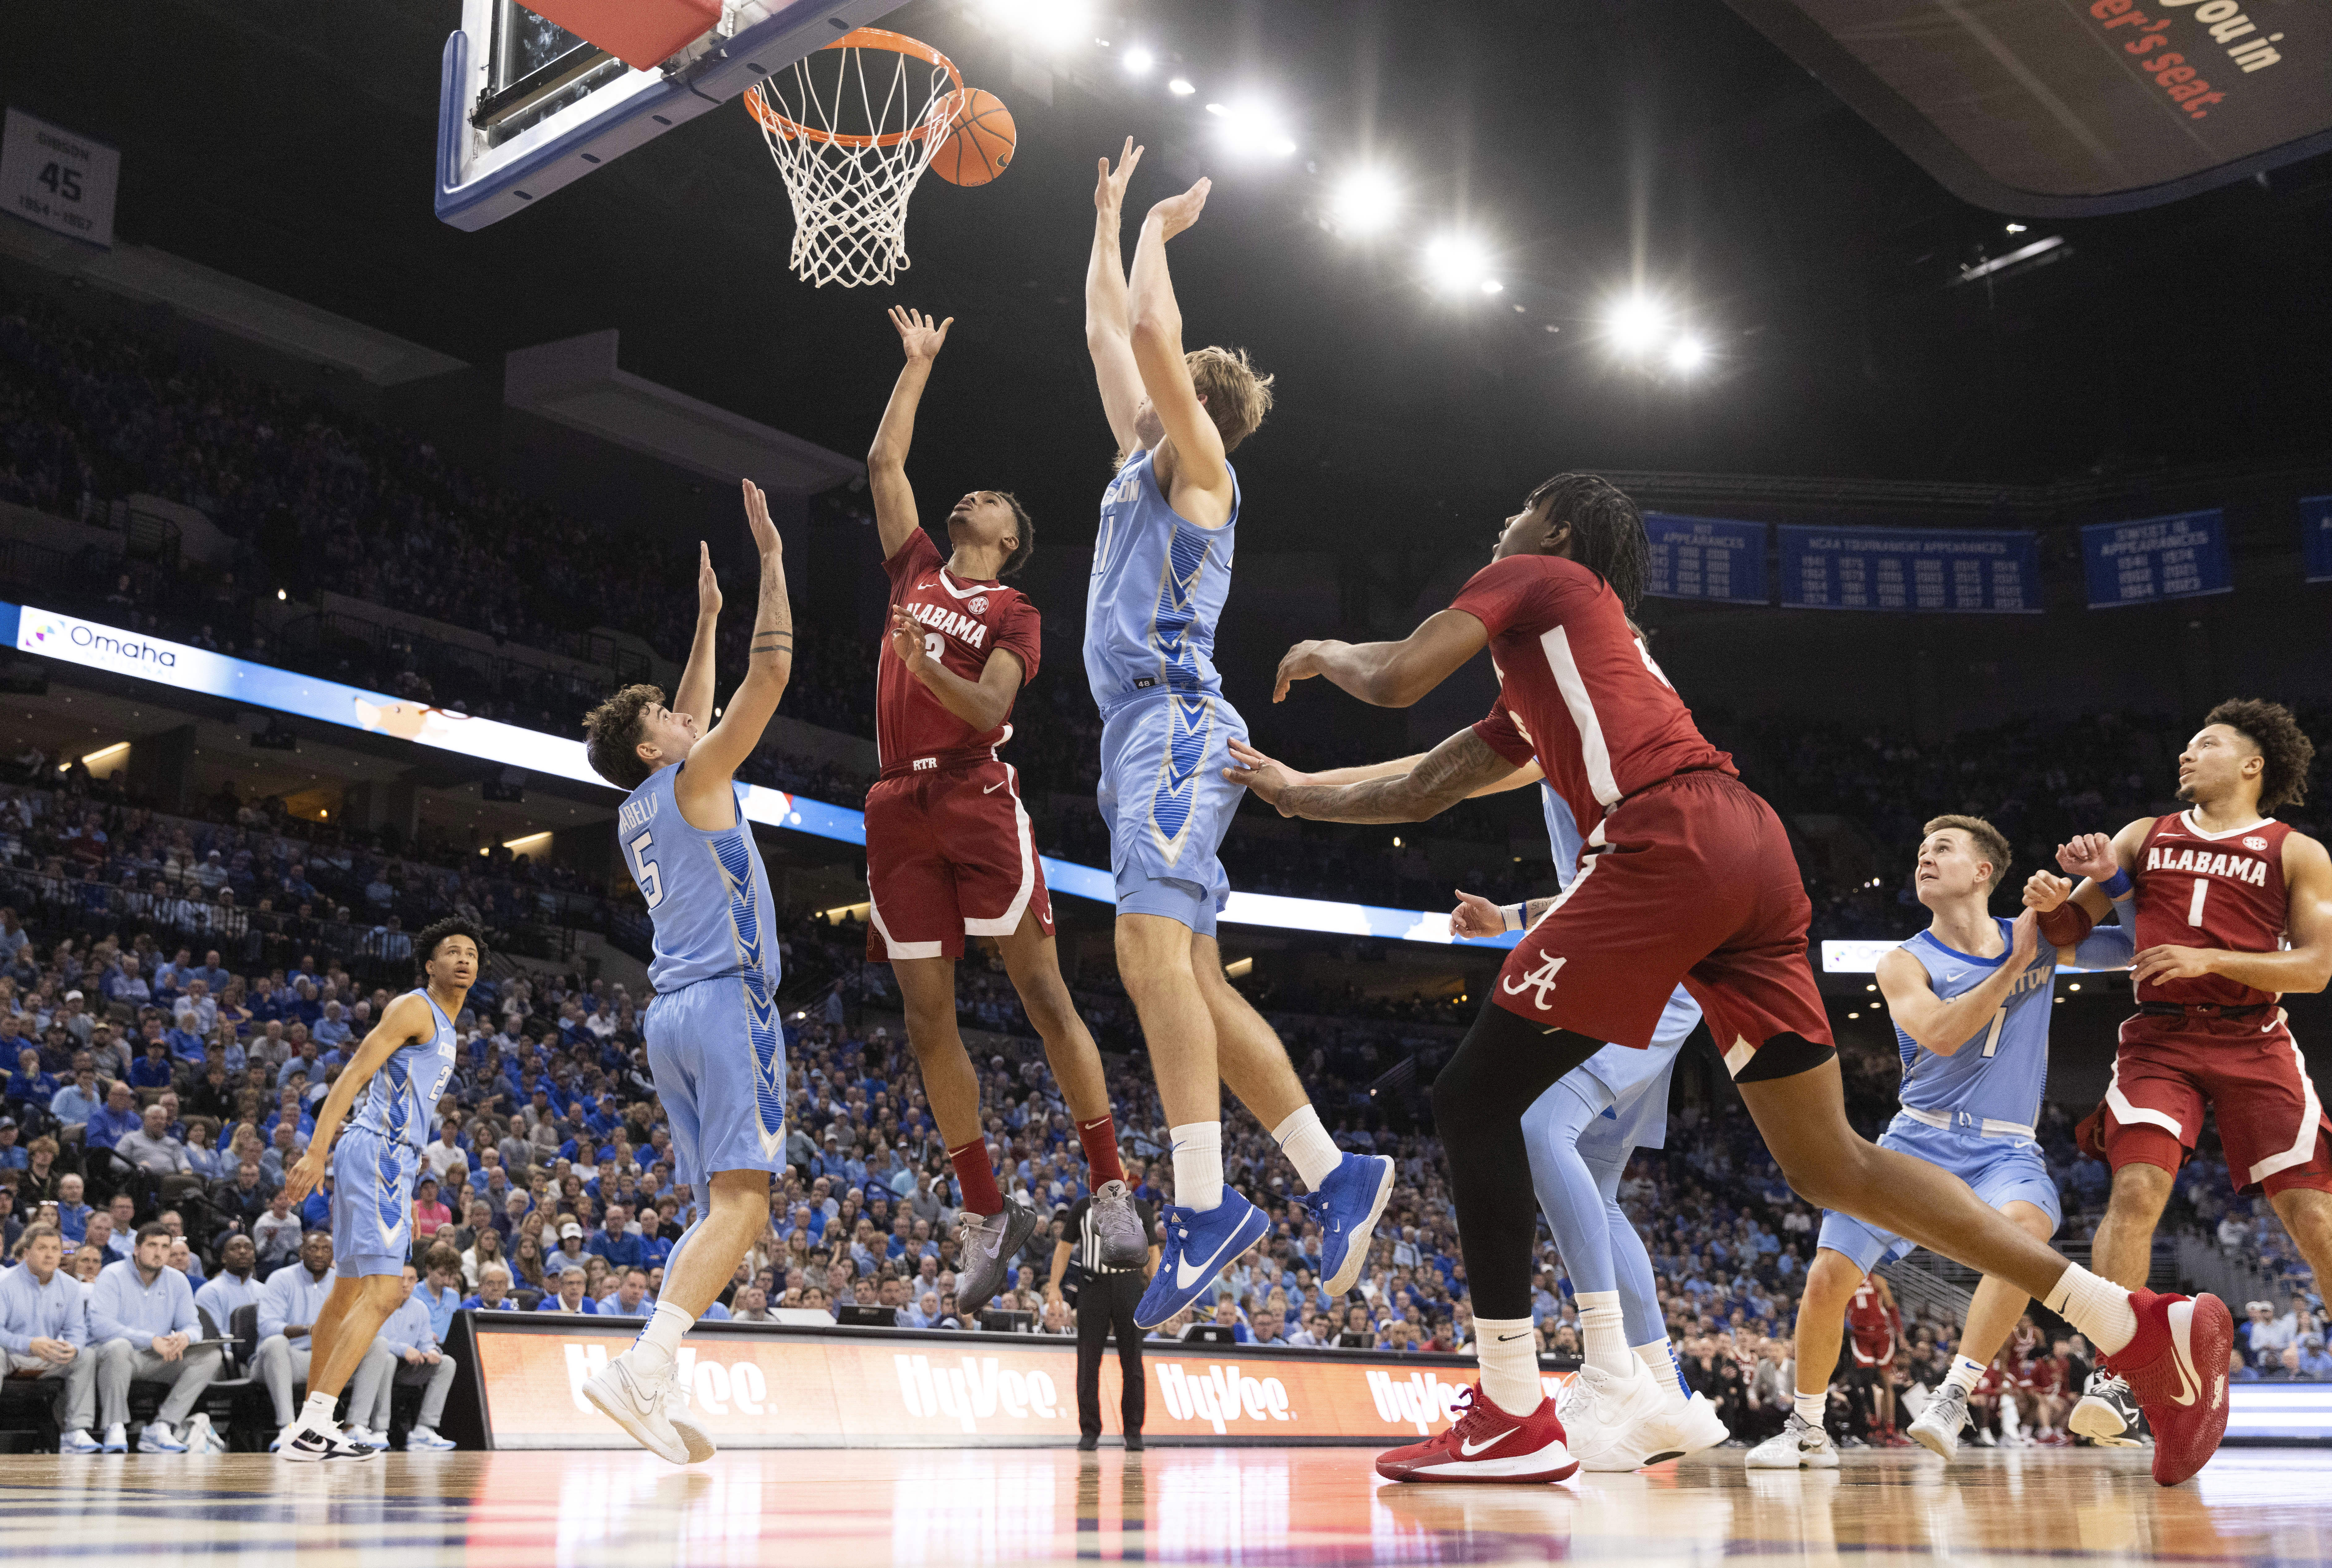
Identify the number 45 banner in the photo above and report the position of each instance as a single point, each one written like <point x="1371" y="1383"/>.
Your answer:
<point x="58" y="179"/>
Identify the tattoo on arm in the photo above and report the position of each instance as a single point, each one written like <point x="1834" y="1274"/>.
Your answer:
<point x="1449" y="772"/>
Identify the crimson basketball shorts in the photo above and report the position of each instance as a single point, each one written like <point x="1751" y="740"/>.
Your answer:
<point x="950" y="854"/>
<point x="2248" y="1069"/>
<point x="1689" y="881"/>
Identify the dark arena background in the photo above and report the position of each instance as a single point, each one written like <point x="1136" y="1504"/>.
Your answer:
<point x="369" y="374"/>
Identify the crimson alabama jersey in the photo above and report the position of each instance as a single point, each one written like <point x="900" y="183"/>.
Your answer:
<point x="1871" y="1325"/>
<point x="2222" y="890"/>
<point x="1595" y="710"/>
<point x="963" y="622"/>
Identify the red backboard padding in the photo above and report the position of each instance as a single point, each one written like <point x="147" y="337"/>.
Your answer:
<point x="642" y="34"/>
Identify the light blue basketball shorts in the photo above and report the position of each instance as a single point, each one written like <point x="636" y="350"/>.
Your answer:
<point x="1168" y="806"/>
<point x="2001" y="1170"/>
<point x="717" y="1051"/>
<point x="372" y="1203"/>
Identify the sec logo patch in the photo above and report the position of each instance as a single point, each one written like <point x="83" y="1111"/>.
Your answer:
<point x="2253" y="841"/>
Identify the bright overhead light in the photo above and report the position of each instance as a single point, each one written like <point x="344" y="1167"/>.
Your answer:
<point x="1366" y="202"/>
<point x="1180" y="87"/>
<point x="1686" y="354"/>
<point x="1492" y="286"/>
<point x="1138" y="61"/>
<point x="1457" y="262"/>
<point x="2016" y="228"/>
<point x="1636" y="324"/>
<point x="1047" y="22"/>
<point x="1247" y="129"/>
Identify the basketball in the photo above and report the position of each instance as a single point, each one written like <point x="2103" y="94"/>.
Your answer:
<point x="979" y="138"/>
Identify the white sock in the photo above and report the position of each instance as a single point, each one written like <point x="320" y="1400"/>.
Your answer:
<point x="660" y="1341"/>
<point x="1507" y="1348"/>
<point x="1661" y="1356"/>
<point x="2097" y="1307"/>
<point x="1811" y="1407"/>
<point x="1308" y="1147"/>
<point x="1966" y="1373"/>
<point x="1605" y="1332"/>
<point x="316" y="1411"/>
<point x="1197" y="1164"/>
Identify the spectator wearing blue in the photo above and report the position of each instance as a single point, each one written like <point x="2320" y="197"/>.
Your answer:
<point x="142" y="1314"/>
<point x="629" y="1299"/>
<point x="44" y="1335"/>
<point x="115" y="1120"/>
<point x="332" y="1029"/>
<point x="232" y="1287"/>
<point x="493" y="1293"/>
<point x="76" y="1101"/>
<point x="289" y="1302"/>
<point x="29" y="1087"/>
<point x="125" y="984"/>
<point x="414" y="1356"/>
<point x="151" y="1070"/>
<point x="570" y="1296"/>
<point x="615" y="1242"/>
<point x="438" y="1292"/>
<point x="73" y="1214"/>
<point x="2314" y="1364"/>
<point x="14" y="1155"/>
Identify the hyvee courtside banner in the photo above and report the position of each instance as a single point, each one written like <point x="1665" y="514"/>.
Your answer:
<point x="781" y="1389"/>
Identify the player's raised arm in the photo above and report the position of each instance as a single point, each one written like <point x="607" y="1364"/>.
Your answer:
<point x="895" y="521"/>
<point x="2107" y="947"/>
<point x="2306" y="965"/>
<point x="2104" y="865"/>
<point x="1109" y="324"/>
<point x="1462" y="766"/>
<point x="694" y="696"/>
<point x="711" y="766"/>
<point x="1943" y="1026"/>
<point x="1388" y="674"/>
<point x="406" y="1018"/>
<point x="1192" y="469"/>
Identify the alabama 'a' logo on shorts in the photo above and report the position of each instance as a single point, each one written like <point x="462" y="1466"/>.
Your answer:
<point x="1539" y="980"/>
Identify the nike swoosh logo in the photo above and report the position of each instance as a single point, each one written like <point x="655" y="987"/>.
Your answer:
<point x="2188" y="1388"/>
<point x="1505" y="1337"/>
<point x="1468" y="1449"/>
<point x="1185" y="1277"/>
<point x="992" y="788"/>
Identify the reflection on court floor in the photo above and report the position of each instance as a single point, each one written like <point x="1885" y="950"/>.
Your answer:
<point x="1278" y="1506"/>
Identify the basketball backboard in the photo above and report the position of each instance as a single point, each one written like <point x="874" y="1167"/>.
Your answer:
<point x="525" y="106"/>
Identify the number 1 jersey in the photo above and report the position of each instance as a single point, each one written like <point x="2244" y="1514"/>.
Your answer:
<point x="2222" y="890"/>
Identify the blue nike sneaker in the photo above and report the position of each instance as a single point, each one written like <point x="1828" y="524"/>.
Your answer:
<point x="1346" y="1209"/>
<point x="1199" y="1246"/>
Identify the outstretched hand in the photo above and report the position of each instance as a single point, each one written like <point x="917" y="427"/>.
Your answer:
<point x="1300" y="663"/>
<point x="2089" y="854"/>
<point x="1268" y="779"/>
<point x="708" y="584"/>
<point x="1180" y="211"/>
<point x="1109" y="189"/>
<point x="757" y="519"/>
<point x="306" y="1172"/>
<point x="917" y="336"/>
<point x="1476" y="916"/>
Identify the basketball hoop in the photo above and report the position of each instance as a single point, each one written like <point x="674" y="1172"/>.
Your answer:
<point x="852" y="135"/>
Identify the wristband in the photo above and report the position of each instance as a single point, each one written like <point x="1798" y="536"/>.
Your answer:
<point x="2118" y="885"/>
<point x="1513" y="914"/>
<point x="2066" y="925"/>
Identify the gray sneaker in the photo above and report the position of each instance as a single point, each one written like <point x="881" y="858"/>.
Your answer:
<point x="987" y="1244"/>
<point x="1799" y="1444"/>
<point x="2107" y="1414"/>
<point x="1938" y="1426"/>
<point x="1117" y="1223"/>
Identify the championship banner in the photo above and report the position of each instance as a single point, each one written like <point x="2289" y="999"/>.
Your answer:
<point x="1909" y="568"/>
<point x="779" y="1387"/>
<point x="2154" y="558"/>
<point x="2315" y="538"/>
<point x="1705" y="558"/>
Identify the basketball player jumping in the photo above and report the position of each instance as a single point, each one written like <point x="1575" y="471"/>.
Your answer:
<point x="716" y="1047"/>
<point x="400" y="1071"/>
<point x="2220" y="889"/>
<point x="950" y="853"/>
<point x="1686" y="877"/>
<point x="1970" y="997"/>
<point x="1161" y="571"/>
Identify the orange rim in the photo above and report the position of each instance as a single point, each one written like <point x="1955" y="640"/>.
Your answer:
<point x="756" y="103"/>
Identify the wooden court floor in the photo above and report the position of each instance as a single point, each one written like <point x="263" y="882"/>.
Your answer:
<point x="1273" y="1506"/>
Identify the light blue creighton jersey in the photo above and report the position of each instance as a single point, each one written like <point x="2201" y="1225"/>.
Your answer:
<point x="1159" y="583"/>
<point x="400" y="1099"/>
<point x="707" y="892"/>
<point x="1998" y="1075"/>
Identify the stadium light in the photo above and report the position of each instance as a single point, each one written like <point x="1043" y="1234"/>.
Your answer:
<point x="1366" y="202"/>
<point x="1180" y="87"/>
<point x="1687" y="353"/>
<point x="1457" y="262"/>
<point x="1492" y="286"/>
<point x="1047" y="23"/>
<point x="1636" y="324"/>
<point x="1138" y="61"/>
<point x="1249" y="128"/>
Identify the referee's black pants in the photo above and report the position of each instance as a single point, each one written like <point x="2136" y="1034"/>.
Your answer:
<point x="1105" y="1304"/>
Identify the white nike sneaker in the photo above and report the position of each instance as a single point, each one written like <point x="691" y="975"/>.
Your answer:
<point x="1612" y="1423"/>
<point x="636" y="1401"/>
<point x="1687" y="1427"/>
<point x="1797" y="1446"/>
<point x="1938" y="1426"/>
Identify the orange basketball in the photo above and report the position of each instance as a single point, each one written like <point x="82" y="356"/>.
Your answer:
<point x="978" y="139"/>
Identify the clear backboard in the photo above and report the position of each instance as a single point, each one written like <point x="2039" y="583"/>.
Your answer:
<point x="525" y="106"/>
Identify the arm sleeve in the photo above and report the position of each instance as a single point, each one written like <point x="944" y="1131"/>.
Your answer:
<point x="2105" y="947"/>
<point x="1499" y="732"/>
<point x="1023" y="632"/>
<point x="919" y="554"/>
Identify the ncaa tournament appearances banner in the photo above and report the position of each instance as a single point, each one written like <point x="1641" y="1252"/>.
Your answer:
<point x="1910" y="569"/>
<point x="2156" y="559"/>
<point x="1707" y="558"/>
<point x="2316" y="537"/>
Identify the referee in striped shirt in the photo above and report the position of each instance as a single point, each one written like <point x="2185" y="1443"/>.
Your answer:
<point x="1106" y="1298"/>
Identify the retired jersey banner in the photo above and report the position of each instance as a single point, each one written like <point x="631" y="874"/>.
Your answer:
<point x="810" y="1388"/>
<point x="1910" y="569"/>
<point x="2156" y="559"/>
<point x="1707" y="558"/>
<point x="2315" y="538"/>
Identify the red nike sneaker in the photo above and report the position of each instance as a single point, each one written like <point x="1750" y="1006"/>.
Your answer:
<point x="1487" y="1444"/>
<point x="2177" y="1368"/>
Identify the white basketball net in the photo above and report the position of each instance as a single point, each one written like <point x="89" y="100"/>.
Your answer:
<point x="852" y="136"/>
